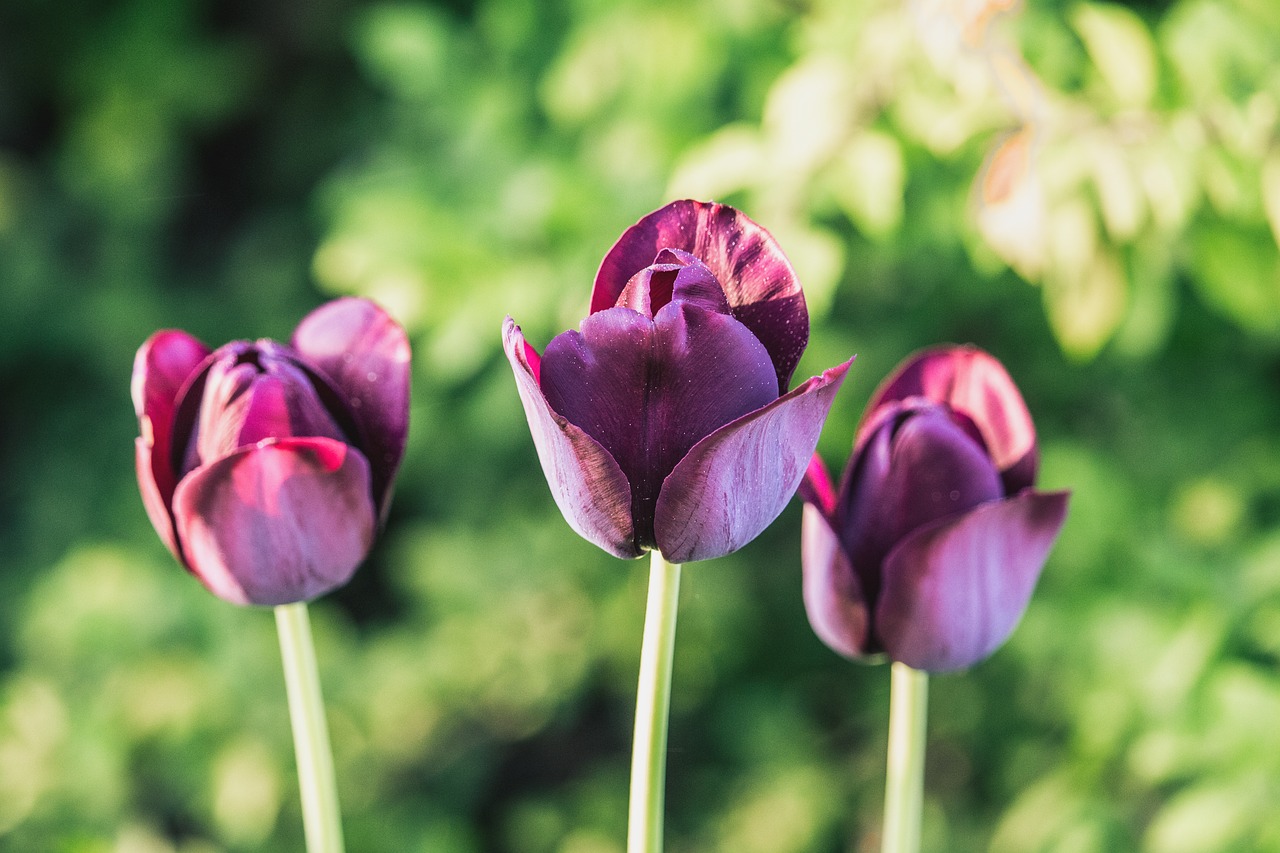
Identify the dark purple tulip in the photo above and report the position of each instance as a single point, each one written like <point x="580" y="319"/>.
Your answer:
<point x="267" y="468"/>
<point x="930" y="549"/>
<point x="665" y="422"/>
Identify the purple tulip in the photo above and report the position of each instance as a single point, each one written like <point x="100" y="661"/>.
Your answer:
<point x="267" y="468"/>
<point x="930" y="550"/>
<point x="665" y="422"/>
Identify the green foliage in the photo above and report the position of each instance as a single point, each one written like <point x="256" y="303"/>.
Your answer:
<point x="1090" y="191"/>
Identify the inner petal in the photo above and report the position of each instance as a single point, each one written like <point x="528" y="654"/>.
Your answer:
<point x="648" y="390"/>
<point x="919" y="468"/>
<point x="251" y="395"/>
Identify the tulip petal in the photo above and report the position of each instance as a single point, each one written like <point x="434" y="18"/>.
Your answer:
<point x="955" y="590"/>
<point x="649" y="390"/>
<point x="833" y="596"/>
<point x="365" y="354"/>
<point x="918" y="468"/>
<point x="977" y="385"/>
<point x="763" y="291"/>
<point x="817" y="488"/>
<point x="277" y="522"/>
<point x="160" y="368"/>
<point x="592" y="492"/>
<point x="737" y="480"/>
<point x="255" y="395"/>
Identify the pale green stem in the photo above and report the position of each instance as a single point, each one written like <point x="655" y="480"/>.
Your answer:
<point x="321" y="818"/>
<point x="904" y="780"/>
<point x="653" y="704"/>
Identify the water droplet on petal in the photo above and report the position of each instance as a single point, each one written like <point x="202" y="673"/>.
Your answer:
<point x="371" y="376"/>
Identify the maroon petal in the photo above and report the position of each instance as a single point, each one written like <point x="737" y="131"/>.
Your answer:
<point x="365" y="354"/>
<point x="833" y="596"/>
<point x="737" y="480"/>
<point x="918" y="468"/>
<point x="649" y="390"/>
<point x="674" y="275"/>
<point x="954" y="591"/>
<point x="975" y="384"/>
<point x="278" y="522"/>
<point x="586" y="482"/>
<point x="160" y="368"/>
<point x="762" y="289"/>
<point x="254" y="396"/>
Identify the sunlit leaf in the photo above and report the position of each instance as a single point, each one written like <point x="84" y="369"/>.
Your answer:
<point x="1121" y="48"/>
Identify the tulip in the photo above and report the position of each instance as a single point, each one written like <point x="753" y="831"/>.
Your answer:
<point x="931" y="547"/>
<point x="664" y="422"/>
<point x="267" y="468"/>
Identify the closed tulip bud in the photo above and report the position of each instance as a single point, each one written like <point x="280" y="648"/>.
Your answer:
<point x="930" y="548"/>
<point x="665" y="421"/>
<point x="267" y="468"/>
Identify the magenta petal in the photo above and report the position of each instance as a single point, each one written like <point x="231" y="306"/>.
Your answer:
<point x="365" y="354"/>
<point x="833" y="596"/>
<point x="278" y="522"/>
<point x="154" y="501"/>
<point x="762" y="289"/>
<point x="592" y="492"/>
<point x="954" y="591"/>
<point x="816" y="488"/>
<point x="737" y="480"/>
<point x="160" y="368"/>
<point x="975" y="384"/>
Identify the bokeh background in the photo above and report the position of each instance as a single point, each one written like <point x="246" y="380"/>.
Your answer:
<point x="1090" y="191"/>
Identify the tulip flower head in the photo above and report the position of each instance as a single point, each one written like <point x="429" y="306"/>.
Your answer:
<point x="664" y="421"/>
<point x="931" y="547"/>
<point x="267" y="468"/>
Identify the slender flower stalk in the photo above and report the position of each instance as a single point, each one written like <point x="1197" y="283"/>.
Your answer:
<point x="653" y="705"/>
<point x="904" y="780"/>
<point x="321" y="816"/>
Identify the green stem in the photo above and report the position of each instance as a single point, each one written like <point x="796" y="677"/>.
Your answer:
<point x="653" y="704"/>
<point x="904" y="780"/>
<point x="321" y="817"/>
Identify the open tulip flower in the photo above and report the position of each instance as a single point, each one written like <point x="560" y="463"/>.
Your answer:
<point x="665" y="421"/>
<point x="931" y="547"/>
<point x="267" y="468"/>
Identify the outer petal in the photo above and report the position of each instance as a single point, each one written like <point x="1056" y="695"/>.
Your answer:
<point x="278" y="522"/>
<point x="954" y="591"/>
<point x="736" y="481"/>
<point x="976" y="384"/>
<point x="160" y="368"/>
<point x="762" y="289"/>
<point x="833" y="596"/>
<point x="586" y="482"/>
<point x="365" y="354"/>
<point x="649" y="390"/>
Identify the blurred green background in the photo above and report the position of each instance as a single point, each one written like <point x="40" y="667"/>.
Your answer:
<point x="1090" y="191"/>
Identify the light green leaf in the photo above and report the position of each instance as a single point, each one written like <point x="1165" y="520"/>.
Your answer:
<point x="1121" y="49"/>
